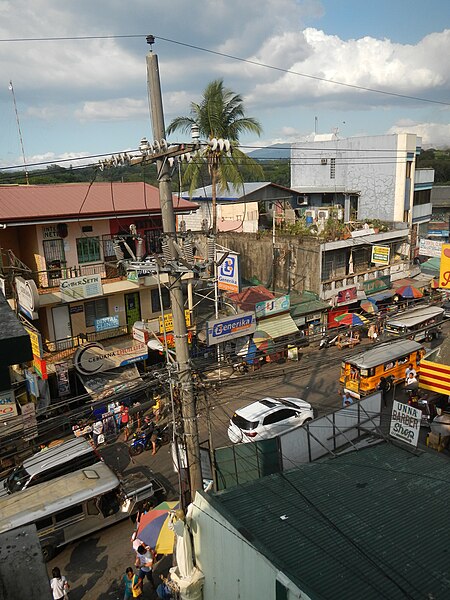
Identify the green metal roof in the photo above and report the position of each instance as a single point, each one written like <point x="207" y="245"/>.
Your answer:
<point x="308" y="307"/>
<point x="370" y="524"/>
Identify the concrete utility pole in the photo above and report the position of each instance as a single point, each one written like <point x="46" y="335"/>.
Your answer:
<point x="188" y="407"/>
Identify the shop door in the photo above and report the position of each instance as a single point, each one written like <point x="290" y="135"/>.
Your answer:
<point x="133" y="309"/>
<point x="62" y="327"/>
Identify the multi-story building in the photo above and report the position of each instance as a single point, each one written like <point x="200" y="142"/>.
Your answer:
<point x="370" y="177"/>
<point x="59" y="263"/>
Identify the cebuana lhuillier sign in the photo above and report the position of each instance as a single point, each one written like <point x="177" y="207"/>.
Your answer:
<point x="405" y="423"/>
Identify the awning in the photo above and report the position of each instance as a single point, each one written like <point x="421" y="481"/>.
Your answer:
<point x="305" y="308"/>
<point x="379" y="296"/>
<point x="121" y="381"/>
<point x="278" y="326"/>
<point x="418" y="282"/>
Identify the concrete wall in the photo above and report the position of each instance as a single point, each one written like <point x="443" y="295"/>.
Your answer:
<point x="297" y="263"/>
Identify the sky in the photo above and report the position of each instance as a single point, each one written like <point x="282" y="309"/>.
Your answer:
<point x="83" y="97"/>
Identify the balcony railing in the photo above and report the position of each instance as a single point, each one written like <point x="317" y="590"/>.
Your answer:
<point x="51" y="278"/>
<point x="66" y="346"/>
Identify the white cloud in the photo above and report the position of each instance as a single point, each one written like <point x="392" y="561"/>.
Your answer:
<point x="435" y="134"/>
<point x="112" y="110"/>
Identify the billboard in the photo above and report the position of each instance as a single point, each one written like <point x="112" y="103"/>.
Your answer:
<point x="230" y="328"/>
<point x="228" y="276"/>
<point x="94" y="358"/>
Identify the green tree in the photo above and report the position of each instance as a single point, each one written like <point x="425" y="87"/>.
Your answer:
<point x="219" y="115"/>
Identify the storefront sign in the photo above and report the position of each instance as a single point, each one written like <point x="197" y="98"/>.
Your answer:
<point x="430" y="247"/>
<point x="8" y="406"/>
<point x="62" y="378"/>
<point x="272" y="307"/>
<point x="36" y="342"/>
<point x="444" y="274"/>
<point x="380" y="255"/>
<point x="168" y="321"/>
<point x="140" y="335"/>
<point x="347" y="296"/>
<point x="79" y="308"/>
<point x="405" y="423"/>
<point x="377" y="285"/>
<point x="27" y="297"/>
<point x="230" y="328"/>
<point x="93" y="358"/>
<point x="228" y="276"/>
<point x="79" y="288"/>
<point x="106" y="323"/>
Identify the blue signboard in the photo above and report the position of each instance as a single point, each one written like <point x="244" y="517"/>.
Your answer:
<point x="107" y="323"/>
<point x="230" y="328"/>
<point x="228" y="277"/>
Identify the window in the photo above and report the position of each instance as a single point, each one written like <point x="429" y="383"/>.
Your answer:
<point x="88" y="249"/>
<point x="44" y="523"/>
<point x="96" y="309"/>
<point x="92" y="508"/>
<point x="156" y="306"/>
<point x="332" y="168"/>
<point x="71" y="512"/>
<point x="279" y="415"/>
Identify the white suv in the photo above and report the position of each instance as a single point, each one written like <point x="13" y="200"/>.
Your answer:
<point x="267" y="418"/>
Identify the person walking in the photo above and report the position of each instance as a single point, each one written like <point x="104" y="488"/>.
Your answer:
<point x="383" y="386"/>
<point x="144" y="562"/>
<point x="128" y="580"/>
<point x="59" y="585"/>
<point x="125" y="422"/>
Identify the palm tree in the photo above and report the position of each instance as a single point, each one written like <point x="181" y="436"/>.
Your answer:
<point x="220" y="114"/>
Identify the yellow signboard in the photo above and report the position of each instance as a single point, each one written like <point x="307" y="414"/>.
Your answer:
<point x="444" y="274"/>
<point x="168" y="321"/>
<point x="380" y="255"/>
<point x="36" y="342"/>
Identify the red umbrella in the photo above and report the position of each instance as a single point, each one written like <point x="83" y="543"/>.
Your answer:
<point x="408" y="291"/>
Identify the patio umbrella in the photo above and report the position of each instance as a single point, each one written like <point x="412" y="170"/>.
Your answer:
<point x="246" y="347"/>
<point x="263" y="341"/>
<point x="351" y="319"/>
<point x="153" y="529"/>
<point x="408" y="291"/>
<point x="369" y="306"/>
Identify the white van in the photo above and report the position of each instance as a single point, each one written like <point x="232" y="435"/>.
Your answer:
<point x="45" y="465"/>
<point x="78" y="504"/>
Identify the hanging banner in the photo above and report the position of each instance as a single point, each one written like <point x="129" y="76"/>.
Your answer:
<point x="62" y="378"/>
<point x="230" y="328"/>
<point x="40" y="366"/>
<point x="444" y="273"/>
<point x="36" y="342"/>
<point x="381" y="255"/>
<point x="228" y="275"/>
<point x="405" y="423"/>
<point x="346" y="296"/>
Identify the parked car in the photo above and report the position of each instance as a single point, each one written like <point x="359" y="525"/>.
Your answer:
<point x="267" y="418"/>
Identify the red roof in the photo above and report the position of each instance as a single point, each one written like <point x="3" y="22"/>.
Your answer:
<point x="247" y="299"/>
<point x="53" y="202"/>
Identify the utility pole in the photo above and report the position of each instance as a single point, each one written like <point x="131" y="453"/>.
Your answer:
<point x="188" y="408"/>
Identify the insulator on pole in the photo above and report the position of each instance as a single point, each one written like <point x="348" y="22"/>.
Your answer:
<point x="211" y="248"/>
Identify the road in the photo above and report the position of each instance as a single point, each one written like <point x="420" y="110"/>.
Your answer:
<point x="94" y="566"/>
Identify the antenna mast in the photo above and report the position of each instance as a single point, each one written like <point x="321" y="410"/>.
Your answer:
<point x="11" y="87"/>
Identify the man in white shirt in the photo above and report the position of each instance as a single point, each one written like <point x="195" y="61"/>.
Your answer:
<point x="144" y="562"/>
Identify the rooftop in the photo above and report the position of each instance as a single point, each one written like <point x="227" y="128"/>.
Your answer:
<point x="21" y="204"/>
<point x="369" y="524"/>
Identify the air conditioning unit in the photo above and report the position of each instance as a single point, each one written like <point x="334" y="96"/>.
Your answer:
<point x="322" y="214"/>
<point x="324" y="161"/>
<point x="302" y="200"/>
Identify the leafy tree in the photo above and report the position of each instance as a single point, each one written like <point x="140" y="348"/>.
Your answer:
<point x="220" y="114"/>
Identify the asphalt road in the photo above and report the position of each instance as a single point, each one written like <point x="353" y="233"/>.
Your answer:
<point x="94" y="566"/>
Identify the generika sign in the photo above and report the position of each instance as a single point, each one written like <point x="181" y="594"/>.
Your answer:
<point x="230" y="328"/>
<point x="93" y="358"/>
<point x="79" y="288"/>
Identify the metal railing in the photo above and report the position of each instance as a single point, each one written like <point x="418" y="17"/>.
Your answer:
<point x="52" y="278"/>
<point x="66" y="345"/>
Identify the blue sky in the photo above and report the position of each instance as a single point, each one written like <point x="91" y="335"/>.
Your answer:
<point x="80" y="98"/>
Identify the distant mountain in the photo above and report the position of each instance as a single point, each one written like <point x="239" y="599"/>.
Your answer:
<point x="274" y="152"/>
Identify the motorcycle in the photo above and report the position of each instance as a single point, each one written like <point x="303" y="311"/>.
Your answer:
<point x="141" y="441"/>
<point x="421" y="402"/>
<point x="327" y="341"/>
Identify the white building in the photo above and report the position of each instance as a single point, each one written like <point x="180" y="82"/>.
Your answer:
<point x="371" y="177"/>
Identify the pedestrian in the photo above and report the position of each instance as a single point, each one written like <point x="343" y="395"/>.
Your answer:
<point x="125" y="422"/>
<point x="383" y="386"/>
<point x="97" y="431"/>
<point x="141" y="512"/>
<point x="128" y="580"/>
<point x="144" y="562"/>
<point x="410" y="369"/>
<point x="151" y="430"/>
<point x="370" y="332"/>
<point x="347" y="400"/>
<point x="59" y="585"/>
<point x="411" y="380"/>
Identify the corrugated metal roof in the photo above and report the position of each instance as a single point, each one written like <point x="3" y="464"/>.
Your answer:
<point x="234" y="193"/>
<point x="383" y="352"/>
<point x="22" y="203"/>
<point x="369" y="524"/>
<point x="278" y="326"/>
<point x="308" y="307"/>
